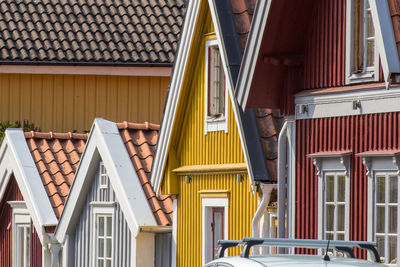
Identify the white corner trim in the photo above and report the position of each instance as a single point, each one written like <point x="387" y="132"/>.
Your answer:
<point x="174" y="94"/>
<point x="105" y="140"/>
<point x="212" y="203"/>
<point x="341" y="104"/>
<point x="174" y="232"/>
<point x="16" y="159"/>
<point x="87" y="70"/>
<point x="384" y="38"/>
<point x="251" y="52"/>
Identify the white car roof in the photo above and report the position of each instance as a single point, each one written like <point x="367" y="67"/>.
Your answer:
<point x="298" y="260"/>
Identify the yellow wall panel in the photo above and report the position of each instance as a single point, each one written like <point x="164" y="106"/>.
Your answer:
<point x="71" y="102"/>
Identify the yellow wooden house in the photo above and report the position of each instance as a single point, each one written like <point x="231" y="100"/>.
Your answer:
<point x="63" y="63"/>
<point x="205" y="157"/>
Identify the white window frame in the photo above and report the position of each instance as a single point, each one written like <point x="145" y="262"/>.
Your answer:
<point x="102" y="209"/>
<point x="207" y="204"/>
<point x="212" y="124"/>
<point x="371" y="73"/>
<point x="20" y="218"/>
<point x="102" y="174"/>
<point x="378" y="164"/>
<point x="328" y="164"/>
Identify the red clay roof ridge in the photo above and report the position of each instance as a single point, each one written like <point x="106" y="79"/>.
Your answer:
<point x="55" y="135"/>
<point x="138" y="126"/>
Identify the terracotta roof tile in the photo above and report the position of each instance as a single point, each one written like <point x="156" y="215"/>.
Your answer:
<point x="269" y="125"/>
<point x="243" y="11"/>
<point x="56" y="156"/>
<point x="394" y="7"/>
<point x="140" y="141"/>
<point x="51" y="32"/>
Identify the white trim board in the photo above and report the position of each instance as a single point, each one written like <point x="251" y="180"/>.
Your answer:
<point x="105" y="143"/>
<point x="341" y="104"/>
<point x="88" y="70"/>
<point x="16" y="159"/>
<point x="175" y="92"/>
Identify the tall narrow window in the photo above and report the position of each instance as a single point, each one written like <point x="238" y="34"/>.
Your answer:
<point x="21" y="232"/>
<point x="103" y="180"/>
<point x="363" y="61"/>
<point x="335" y="206"/>
<point x="386" y="215"/>
<point x="104" y="242"/>
<point x="216" y="91"/>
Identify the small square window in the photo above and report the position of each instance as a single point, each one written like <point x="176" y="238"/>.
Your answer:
<point x="216" y="90"/>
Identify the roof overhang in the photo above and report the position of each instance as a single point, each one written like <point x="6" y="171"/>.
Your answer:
<point x="105" y="143"/>
<point x="16" y="160"/>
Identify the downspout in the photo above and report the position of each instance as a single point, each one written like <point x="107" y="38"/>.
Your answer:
<point x="266" y="196"/>
<point x="282" y="158"/>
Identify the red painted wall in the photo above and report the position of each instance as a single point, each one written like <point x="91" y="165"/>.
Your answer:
<point x="13" y="193"/>
<point x="356" y="133"/>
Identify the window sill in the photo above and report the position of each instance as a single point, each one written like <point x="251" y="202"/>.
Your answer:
<point x="216" y="124"/>
<point x="368" y="76"/>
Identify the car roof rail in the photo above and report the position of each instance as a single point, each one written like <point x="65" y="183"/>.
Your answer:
<point x="339" y="245"/>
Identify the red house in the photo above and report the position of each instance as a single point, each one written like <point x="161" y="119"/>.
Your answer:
<point x="332" y="67"/>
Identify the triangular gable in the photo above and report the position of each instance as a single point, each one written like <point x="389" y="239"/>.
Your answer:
<point x="225" y="32"/>
<point x="265" y="10"/>
<point x="16" y="160"/>
<point x="105" y="143"/>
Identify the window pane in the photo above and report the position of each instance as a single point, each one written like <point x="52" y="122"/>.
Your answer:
<point x="101" y="263"/>
<point x="109" y="246"/>
<point x="341" y="217"/>
<point x="380" y="189"/>
<point x="329" y="236"/>
<point x="380" y="244"/>
<point x="393" y="189"/>
<point x="101" y="247"/>
<point x="109" y="226"/>
<point x="108" y="263"/>
<point x="370" y="26"/>
<point x="341" y="188"/>
<point x="28" y="246"/>
<point x="380" y="219"/>
<point x="330" y="188"/>
<point x="340" y="236"/>
<point x="330" y="211"/>
<point x="393" y="219"/>
<point x="101" y="225"/>
<point x="370" y="53"/>
<point x="392" y="257"/>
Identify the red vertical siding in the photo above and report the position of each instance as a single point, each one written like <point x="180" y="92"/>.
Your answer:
<point x="355" y="133"/>
<point x="12" y="193"/>
<point x="36" y="248"/>
<point x="325" y="50"/>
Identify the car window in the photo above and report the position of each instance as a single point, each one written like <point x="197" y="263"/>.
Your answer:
<point x="224" y="265"/>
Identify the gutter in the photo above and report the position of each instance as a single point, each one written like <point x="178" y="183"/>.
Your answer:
<point x="282" y="162"/>
<point x="155" y="229"/>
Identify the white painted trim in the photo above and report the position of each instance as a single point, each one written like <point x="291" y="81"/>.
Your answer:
<point x="20" y="216"/>
<point x="16" y="159"/>
<point x="105" y="143"/>
<point x="174" y="232"/>
<point x="252" y="50"/>
<point x="341" y="104"/>
<point x="291" y="180"/>
<point x="174" y="94"/>
<point x="366" y="76"/>
<point x="207" y="203"/>
<point x="385" y="38"/>
<point x="88" y="70"/>
<point x="214" y="124"/>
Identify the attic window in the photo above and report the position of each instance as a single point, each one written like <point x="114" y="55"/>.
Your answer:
<point x="216" y="93"/>
<point x="362" y="55"/>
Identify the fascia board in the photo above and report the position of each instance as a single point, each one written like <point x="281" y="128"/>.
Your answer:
<point x="174" y="94"/>
<point x="123" y="177"/>
<point x="105" y="140"/>
<point x="30" y="184"/>
<point x="385" y="37"/>
<point x="251" y="52"/>
<point x="235" y="107"/>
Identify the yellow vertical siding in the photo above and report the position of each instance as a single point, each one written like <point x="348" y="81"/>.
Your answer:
<point x="242" y="206"/>
<point x="190" y="146"/>
<point x="71" y="102"/>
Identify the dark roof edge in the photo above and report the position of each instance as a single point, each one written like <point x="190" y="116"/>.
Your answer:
<point x="229" y="35"/>
<point x="105" y="64"/>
